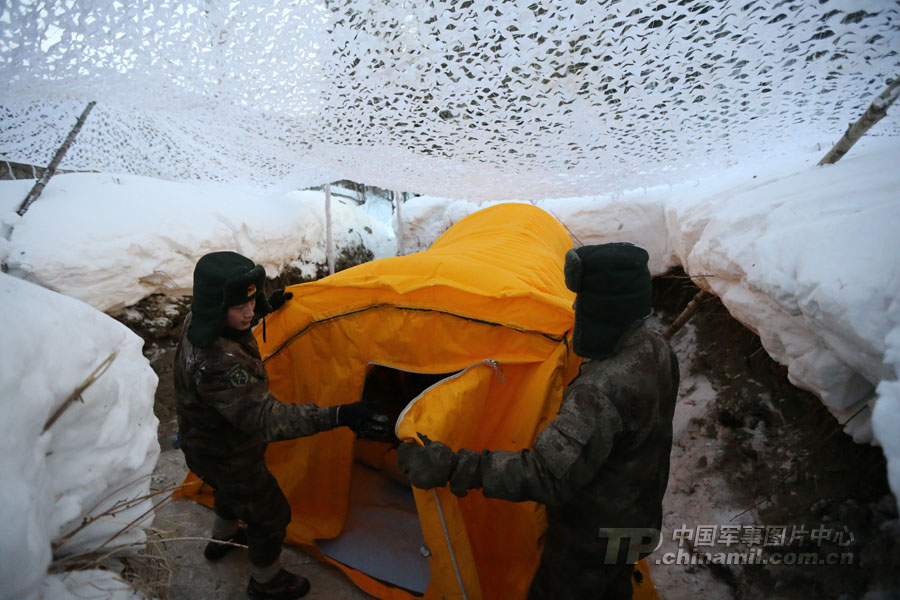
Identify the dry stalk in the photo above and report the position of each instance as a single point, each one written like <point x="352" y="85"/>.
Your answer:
<point x="110" y="512"/>
<point x="148" y="571"/>
<point x="76" y="394"/>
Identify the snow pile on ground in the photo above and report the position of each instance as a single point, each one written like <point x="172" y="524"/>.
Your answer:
<point x="99" y="453"/>
<point x="805" y="256"/>
<point x="111" y="240"/>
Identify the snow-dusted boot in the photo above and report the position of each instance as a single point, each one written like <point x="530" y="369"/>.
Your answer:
<point x="215" y="551"/>
<point x="284" y="586"/>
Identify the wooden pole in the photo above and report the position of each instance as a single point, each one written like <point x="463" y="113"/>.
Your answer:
<point x="398" y="197"/>
<point x="875" y="113"/>
<point x="51" y="169"/>
<point x="686" y="314"/>
<point x="329" y="241"/>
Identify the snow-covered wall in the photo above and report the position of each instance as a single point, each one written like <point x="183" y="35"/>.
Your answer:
<point x="111" y="240"/>
<point x="588" y="219"/>
<point x="810" y="262"/>
<point x="98" y="454"/>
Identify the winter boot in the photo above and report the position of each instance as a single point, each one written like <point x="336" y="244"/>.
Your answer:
<point x="215" y="551"/>
<point x="284" y="586"/>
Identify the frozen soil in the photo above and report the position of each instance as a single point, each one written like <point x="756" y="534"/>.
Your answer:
<point x="750" y="451"/>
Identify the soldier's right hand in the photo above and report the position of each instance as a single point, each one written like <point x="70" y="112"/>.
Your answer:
<point x="427" y="466"/>
<point x="365" y="422"/>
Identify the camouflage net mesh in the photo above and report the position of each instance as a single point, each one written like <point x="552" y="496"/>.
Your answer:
<point x="481" y="99"/>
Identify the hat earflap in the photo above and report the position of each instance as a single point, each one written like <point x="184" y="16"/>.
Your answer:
<point x="573" y="271"/>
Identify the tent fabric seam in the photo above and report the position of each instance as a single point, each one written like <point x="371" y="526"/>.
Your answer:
<point x="300" y="332"/>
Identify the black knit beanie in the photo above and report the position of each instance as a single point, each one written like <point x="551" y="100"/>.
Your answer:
<point x="223" y="280"/>
<point x="612" y="283"/>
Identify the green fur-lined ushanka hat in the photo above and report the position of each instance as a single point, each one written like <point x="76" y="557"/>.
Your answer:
<point x="223" y="280"/>
<point x="612" y="283"/>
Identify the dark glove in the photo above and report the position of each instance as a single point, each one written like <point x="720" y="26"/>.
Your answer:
<point x="365" y="422"/>
<point x="427" y="466"/>
<point x="278" y="298"/>
<point x="467" y="473"/>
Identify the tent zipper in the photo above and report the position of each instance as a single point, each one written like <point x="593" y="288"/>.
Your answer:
<point x="495" y="365"/>
<point x="459" y="579"/>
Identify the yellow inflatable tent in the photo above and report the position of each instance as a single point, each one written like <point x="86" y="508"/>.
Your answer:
<point x="483" y="320"/>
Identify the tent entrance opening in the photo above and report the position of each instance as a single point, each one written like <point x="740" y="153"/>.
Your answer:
<point x="382" y="536"/>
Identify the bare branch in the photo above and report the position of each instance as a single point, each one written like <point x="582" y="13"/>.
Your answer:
<point x="76" y="395"/>
<point x="686" y="314"/>
<point x="876" y="112"/>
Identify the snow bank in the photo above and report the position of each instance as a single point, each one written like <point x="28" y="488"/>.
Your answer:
<point x="425" y="218"/>
<point x="588" y="219"/>
<point x="351" y="225"/>
<point x="100" y="452"/>
<point x="810" y="262"/>
<point x="111" y="240"/>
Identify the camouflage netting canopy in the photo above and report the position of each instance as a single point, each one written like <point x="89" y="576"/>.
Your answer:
<point x="460" y="98"/>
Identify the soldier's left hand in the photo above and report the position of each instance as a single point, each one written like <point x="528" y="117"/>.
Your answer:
<point x="278" y="298"/>
<point x="427" y="466"/>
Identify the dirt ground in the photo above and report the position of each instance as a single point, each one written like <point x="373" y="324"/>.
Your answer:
<point x="174" y="568"/>
<point x="749" y="448"/>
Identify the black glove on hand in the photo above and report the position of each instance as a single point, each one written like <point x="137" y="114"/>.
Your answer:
<point x="278" y="298"/>
<point x="466" y="474"/>
<point x="428" y="466"/>
<point x="365" y="422"/>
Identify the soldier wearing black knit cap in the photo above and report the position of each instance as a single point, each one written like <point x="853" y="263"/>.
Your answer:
<point x="602" y="465"/>
<point x="227" y="417"/>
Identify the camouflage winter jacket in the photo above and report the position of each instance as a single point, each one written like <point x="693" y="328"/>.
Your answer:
<point x="223" y="403"/>
<point x="603" y="462"/>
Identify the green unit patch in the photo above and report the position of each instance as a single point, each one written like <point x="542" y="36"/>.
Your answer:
<point x="237" y="375"/>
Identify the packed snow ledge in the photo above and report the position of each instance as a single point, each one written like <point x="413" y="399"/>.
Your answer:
<point x="805" y="256"/>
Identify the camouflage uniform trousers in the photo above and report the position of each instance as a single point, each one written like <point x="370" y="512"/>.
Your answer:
<point x="245" y="489"/>
<point x="563" y="574"/>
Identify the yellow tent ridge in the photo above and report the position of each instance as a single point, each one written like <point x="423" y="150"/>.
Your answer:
<point x="467" y="343"/>
<point x="502" y="264"/>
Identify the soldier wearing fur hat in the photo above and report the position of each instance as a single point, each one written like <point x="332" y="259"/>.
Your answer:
<point x="602" y="465"/>
<point x="227" y="417"/>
